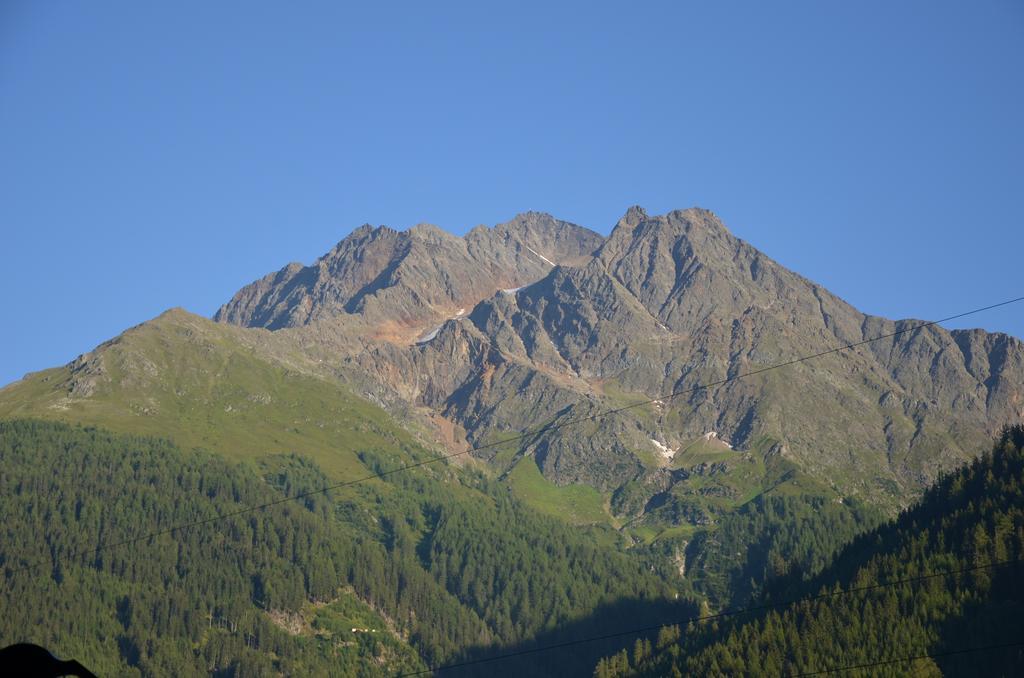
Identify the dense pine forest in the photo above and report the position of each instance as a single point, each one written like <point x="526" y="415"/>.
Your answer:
<point x="445" y="566"/>
<point x="378" y="578"/>
<point x="970" y="523"/>
<point x="773" y="539"/>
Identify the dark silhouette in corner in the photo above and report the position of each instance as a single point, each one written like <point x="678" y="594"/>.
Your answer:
<point x="32" y="661"/>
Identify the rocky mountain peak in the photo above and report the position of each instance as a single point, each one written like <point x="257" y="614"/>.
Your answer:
<point x="674" y="300"/>
<point x="550" y="238"/>
<point x="536" y="320"/>
<point x="361" y="231"/>
<point x="633" y="216"/>
<point x="430" y="232"/>
<point x="400" y="284"/>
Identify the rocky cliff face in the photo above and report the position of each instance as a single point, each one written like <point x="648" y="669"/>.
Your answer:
<point x="398" y="282"/>
<point x="665" y="304"/>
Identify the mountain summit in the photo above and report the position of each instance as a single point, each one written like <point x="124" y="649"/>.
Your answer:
<point x="537" y="318"/>
<point x="399" y="281"/>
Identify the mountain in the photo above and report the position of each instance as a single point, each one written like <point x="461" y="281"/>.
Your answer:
<point x="969" y="523"/>
<point x="665" y="304"/>
<point x="181" y="419"/>
<point x="399" y="347"/>
<point x="244" y="394"/>
<point x="398" y="281"/>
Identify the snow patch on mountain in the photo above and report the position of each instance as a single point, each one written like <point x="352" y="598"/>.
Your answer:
<point x="663" y="449"/>
<point x="429" y="335"/>
<point x="546" y="260"/>
<point x="713" y="435"/>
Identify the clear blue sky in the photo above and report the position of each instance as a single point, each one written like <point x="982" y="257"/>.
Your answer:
<point x="157" y="156"/>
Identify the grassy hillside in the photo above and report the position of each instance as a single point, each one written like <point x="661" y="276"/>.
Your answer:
<point x="210" y="386"/>
<point x="576" y="504"/>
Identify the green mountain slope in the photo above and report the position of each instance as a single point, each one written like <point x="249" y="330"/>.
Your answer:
<point x="248" y="405"/>
<point x="243" y="394"/>
<point x="253" y="396"/>
<point x="970" y="519"/>
<point x="455" y="563"/>
<point x="256" y="594"/>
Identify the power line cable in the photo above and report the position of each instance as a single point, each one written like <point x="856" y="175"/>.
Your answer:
<point x="551" y="426"/>
<point x="717" y="615"/>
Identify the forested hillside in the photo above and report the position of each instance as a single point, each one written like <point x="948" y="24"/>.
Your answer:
<point x="771" y="540"/>
<point x="443" y="563"/>
<point x="217" y="598"/>
<point x="971" y="522"/>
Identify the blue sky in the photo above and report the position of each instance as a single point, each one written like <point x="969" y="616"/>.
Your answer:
<point x="158" y="156"/>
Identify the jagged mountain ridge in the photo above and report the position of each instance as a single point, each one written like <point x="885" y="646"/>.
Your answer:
<point x="676" y="301"/>
<point x="399" y="281"/>
<point x="665" y="303"/>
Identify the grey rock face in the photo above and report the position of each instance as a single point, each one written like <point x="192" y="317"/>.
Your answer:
<point x="664" y="305"/>
<point x="400" y="280"/>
